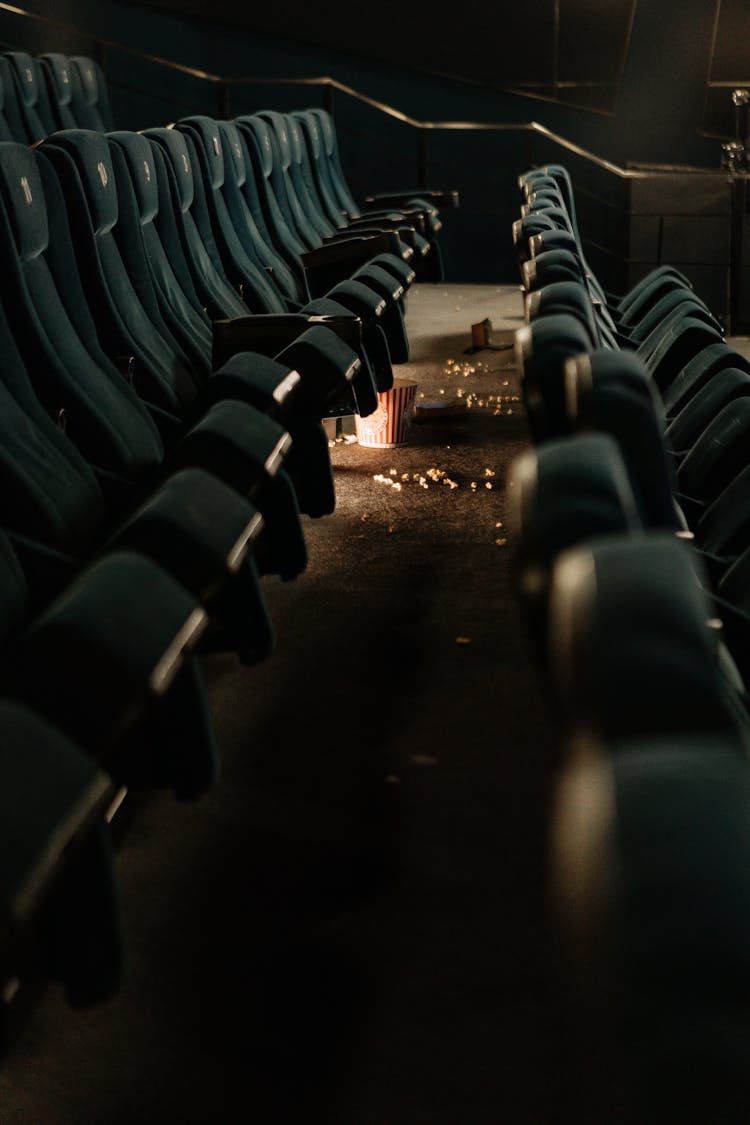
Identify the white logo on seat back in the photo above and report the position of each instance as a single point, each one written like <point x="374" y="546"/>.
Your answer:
<point x="215" y="139"/>
<point x="26" y="189"/>
<point x="64" y="77"/>
<point x="102" y="173"/>
<point x="147" y="170"/>
<point x="185" y="164"/>
<point x="29" y="75"/>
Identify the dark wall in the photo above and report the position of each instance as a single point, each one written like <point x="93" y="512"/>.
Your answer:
<point x="571" y="50"/>
<point x="659" y="108"/>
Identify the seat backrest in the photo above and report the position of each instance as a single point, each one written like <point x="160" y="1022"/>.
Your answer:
<point x="330" y="147"/>
<point x="243" y="205"/>
<point x="34" y="105"/>
<point x="541" y="350"/>
<point x="56" y="71"/>
<point x="53" y="326"/>
<point x="686" y="427"/>
<point x="214" y="219"/>
<point x="90" y="97"/>
<point x="707" y="362"/>
<point x="719" y="454"/>
<point x="564" y="296"/>
<point x="632" y="649"/>
<point x="257" y="136"/>
<point x="136" y="174"/>
<point x="179" y="181"/>
<point x="319" y="166"/>
<point x="724" y="526"/>
<point x="609" y="391"/>
<point x="303" y="179"/>
<point x="281" y="178"/>
<point x="565" y="491"/>
<point x="114" y="267"/>
<point x="48" y="492"/>
<point x="12" y="124"/>
<point x="680" y="342"/>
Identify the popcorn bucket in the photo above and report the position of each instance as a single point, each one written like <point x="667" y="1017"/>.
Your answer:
<point x="389" y="423"/>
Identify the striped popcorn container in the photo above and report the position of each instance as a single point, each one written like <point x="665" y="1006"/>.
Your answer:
<point x="389" y="424"/>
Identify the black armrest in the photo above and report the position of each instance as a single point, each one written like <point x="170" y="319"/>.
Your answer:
<point x="314" y="370"/>
<point x="204" y="534"/>
<point x="57" y="886"/>
<point x="195" y="527"/>
<point x="389" y="220"/>
<point x="247" y="450"/>
<point x="344" y="248"/>
<point x="440" y="197"/>
<point x="270" y="333"/>
<point x="337" y="261"/>
<point x="106" y="652"/>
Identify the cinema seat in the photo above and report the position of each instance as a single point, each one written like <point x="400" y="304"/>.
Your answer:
<point x="57" y="72"/>
<point x="427" y="200"/>
<point x="631" y="648"/>
<point x="563" y="491"/>
<point x="723" y="528"/>
<point x="90" y="103"/>
<point x="33" y="102"/>
<point x="380" y="333"/>
<point x="59" y="899"/>
<point x="541" y="349"/>
<point x="609" y="391"/>
<point x="694" y="376"/>
<point x="651" y="917"/>
<point x="179" y="210"/>
<point x="724" y="387"/>
<point x="106" y="420"/>
<point x="112" y="662"/>
<point x="719" y="454"/>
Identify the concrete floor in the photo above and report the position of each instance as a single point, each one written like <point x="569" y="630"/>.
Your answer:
<point x="350" y="927"/>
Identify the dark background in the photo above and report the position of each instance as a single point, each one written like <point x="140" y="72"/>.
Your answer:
<point x="634" y="82"/>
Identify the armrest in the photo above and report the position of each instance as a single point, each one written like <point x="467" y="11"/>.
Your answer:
<point x="270" y="333"/>
<point x="53" y="801"/>
<point x="205" y="535"/>
<point x="313" y="371"/>
<point x="437" y="196"/>
<point x="196" y="528"/>
<point x="408" y="213"/>
<point x="106" y="651"/>
<point x="396" y="245"/>
<point x="265" y="333"/>
<point x="52" y="793"/>
<point x="344" y="248"/>
<point x="390" y="220"/>
<point x="337" y="261"/>
<point x="246" y="449"/>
